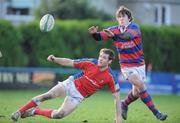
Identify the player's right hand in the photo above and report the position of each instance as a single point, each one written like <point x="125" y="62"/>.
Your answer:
<point x="93" y="29"/>
<point x="51" y="58"/>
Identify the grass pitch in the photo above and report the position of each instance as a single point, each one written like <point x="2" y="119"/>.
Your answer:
<point x="98" y="108"/>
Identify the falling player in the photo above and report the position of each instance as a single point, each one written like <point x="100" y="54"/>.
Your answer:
<point x="95" y="75"/>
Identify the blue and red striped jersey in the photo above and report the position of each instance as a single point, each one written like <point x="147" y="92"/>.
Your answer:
<point x="128" y="44"/>
<point x="92" y="78"/>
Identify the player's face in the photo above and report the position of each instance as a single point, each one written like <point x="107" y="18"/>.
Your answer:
<point x="123" y="20"/>
<point x="103" y="60"/>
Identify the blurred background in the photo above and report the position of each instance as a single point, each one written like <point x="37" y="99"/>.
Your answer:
<point x="24" y="48"/>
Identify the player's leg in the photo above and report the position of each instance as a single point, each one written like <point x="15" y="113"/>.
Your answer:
<point x="131" y="97"/>
<point x="67" y="107"/>
<point x="56" y="91"/>
<point x="72" y="100"/>
<point x="146" y="98"/>
<point x="136" y="80"/>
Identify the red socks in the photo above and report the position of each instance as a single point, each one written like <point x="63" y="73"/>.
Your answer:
<point x="45" y="112"/>
<point x="31" y="104"/>
<point x="27" y="106"/>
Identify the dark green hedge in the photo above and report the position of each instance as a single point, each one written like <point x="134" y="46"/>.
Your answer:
<point x="162" y="47"/>
<point x="25" y="45"/>
<point x="10" y="46"/>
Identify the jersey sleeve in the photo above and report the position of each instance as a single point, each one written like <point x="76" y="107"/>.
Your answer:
<point x="102" y="36"/>
<point x="84" y="63"/>
<point x="113" y="85"/>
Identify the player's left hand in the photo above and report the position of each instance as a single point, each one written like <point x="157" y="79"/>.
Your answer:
<point x="109" y="33"/>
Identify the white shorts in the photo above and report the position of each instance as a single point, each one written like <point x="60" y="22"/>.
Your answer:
<point x="72" y="93"/>
<point x="139" y="71"/>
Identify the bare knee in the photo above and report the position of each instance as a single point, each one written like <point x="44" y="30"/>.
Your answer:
<point x="135" y="92"/>
<point x="43" y="97"/>
<point x="47" y="96"/>
<point x="141" y="86"/>
<point x="58" y="114"/>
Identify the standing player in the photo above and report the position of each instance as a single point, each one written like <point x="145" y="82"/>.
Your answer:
<point x="95" y="75"/>
<point x="127" y="39"/>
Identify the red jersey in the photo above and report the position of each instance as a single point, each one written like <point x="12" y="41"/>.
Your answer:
<point x="92" y="78"/>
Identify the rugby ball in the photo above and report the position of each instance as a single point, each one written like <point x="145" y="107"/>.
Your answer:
<point x="46" y="23"/>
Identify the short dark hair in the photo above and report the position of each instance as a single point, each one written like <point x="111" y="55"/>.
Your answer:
<point x="123" y="10"/>
<point x="109" y="52"/>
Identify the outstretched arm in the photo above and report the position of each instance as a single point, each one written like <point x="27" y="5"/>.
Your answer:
<point x="99" y="36"/>
<point x="118" y="118"/>
<point x="61" y="61"/>
<point x="125" y="35"/>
